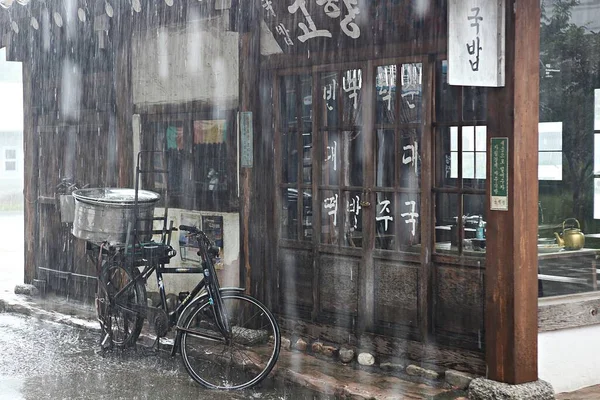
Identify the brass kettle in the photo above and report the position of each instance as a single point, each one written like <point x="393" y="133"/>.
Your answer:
<point x="570" y="238"/>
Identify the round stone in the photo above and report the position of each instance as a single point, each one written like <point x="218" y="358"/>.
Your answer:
<point x="366" y="359"/>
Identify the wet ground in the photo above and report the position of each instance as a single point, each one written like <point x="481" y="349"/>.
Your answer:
<point x="11" y="249"/>
<point x="48" y="360"/>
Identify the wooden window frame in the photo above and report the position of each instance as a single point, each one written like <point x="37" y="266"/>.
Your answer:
<point x="461" y="187"/>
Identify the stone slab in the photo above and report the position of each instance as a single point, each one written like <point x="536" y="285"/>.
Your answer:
<point x="485" y="389"/>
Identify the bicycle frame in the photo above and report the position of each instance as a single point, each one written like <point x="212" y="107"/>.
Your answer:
<point x="209" y="282"/>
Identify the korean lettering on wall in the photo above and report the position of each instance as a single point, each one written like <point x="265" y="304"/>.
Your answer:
<point x="384" y="212"/>
<point x="353" y="207"/>
<point x="344" y="11"/>
<point x="352" y="83"/>
<point x="474" y="47"/>
<point x="411" y="154"/>
<point x="410" y="215"/>
<point x="386" y="84"/>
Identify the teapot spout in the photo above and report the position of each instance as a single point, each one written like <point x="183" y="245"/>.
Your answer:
<point x="559" y="240"/>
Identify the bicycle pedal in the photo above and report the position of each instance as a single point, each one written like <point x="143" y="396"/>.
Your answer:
<point x="160" y="320"/>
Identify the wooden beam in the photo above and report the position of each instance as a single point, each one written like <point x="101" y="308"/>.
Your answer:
<point x="511" y="258"/>
<point x="570" y="311"/>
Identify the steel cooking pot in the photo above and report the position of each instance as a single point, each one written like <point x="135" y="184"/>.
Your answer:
<point x="108" y="214"/>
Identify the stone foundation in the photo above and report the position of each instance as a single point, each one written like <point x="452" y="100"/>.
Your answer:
<point x="485" y="389"/>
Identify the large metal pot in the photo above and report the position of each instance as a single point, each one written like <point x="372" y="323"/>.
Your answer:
<point x="108" y="214"/>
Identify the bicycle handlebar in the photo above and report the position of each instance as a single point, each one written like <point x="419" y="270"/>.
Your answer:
<point x="212" y="250"/>
<point x="191" y="229"/>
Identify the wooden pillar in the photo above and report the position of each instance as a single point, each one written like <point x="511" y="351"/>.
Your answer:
<point x="252" y="214"/>
<point x="30" y="188"/>
<point x="124" y="101"/>
<point x="511" y="258"/>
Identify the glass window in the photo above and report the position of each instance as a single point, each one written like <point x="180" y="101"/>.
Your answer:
<point x="550" y="151"/>
<point x="461" y="167"/>
<point x="569" y="149"/>
<point x="473" y="152"/>
<point x="10" y="160"/>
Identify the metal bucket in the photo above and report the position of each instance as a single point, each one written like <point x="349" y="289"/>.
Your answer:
<point x="108" y="214"/>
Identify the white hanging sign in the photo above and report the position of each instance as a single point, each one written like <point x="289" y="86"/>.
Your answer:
<point x="476" y="42"/>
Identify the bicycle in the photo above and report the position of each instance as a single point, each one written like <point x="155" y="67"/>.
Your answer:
<point x="227" y="339"/>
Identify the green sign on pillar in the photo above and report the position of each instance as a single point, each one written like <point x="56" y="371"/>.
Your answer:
<point x="499" y="174"/>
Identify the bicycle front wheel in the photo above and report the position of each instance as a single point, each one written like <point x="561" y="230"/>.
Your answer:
<point x="119" y="310"/>
<point x="240" y="361"/>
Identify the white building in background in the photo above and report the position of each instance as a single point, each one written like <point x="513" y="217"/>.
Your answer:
<point x="11" y="131"/>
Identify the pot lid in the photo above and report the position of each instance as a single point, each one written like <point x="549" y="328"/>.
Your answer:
<point x="115" y="196"/>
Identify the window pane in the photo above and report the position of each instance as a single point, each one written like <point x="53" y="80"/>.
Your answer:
<point x="385" y="153"/>
<point x="288" y="102"/>
<point x="474" y="103"/>
<point x="307" y="146"/>
<point x="331" y="160"/>
<point x="550" y="136"/>
<point x="446" y="234"/>
<point x="446" y="96"/>
<point x="307" y="213"/>
<point x="353" y="221"/>
<point x="352" y="83"/>
<point x="386" y="94"/>
<point x="597" y="154"/>
<point x="329" y="217"/>
<point x="550" y="166"/>
<point x="446" y="170"/>
<point x="384" y="221"/>
<point x="330" y="86"/>
<point x="10" y="154"/>
<point x="454" y="138"/>
<point x="468" y="138"/>
<point x="474" y="223"/>
<point x="596" y="198"/>
<point x="480" y="165"/>
<point x="453" y="165"/>
<point x="307" y="100"/>
<point x="412" y="92"/>
<point x="289" y="214"/>
<point x="468" y="160"/>
<point x="289" y="157"/>
<point x="410" y="159"/>
<point x="480" y="138"/>
<point x="597" y="109"/>
<point x="409" y="233"/>
<point x="354" y="157"/>
<point x="10" y="166"/>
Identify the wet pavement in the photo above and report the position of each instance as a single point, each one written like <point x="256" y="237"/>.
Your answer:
<point x="48" y="360"/>
<point x="11" y="249"/>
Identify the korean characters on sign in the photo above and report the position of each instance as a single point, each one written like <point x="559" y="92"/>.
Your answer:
<point x="351" y="84"/>
<point x="476" y="43"/>
<point x="384" y="213"/>
<point x="345" y="11"/>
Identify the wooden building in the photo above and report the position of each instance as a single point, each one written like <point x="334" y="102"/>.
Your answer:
<point x="346" y="160"/>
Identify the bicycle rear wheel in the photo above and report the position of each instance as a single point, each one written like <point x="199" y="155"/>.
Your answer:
<point x="120" y="318"/>
<point x="242" y="360"/>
